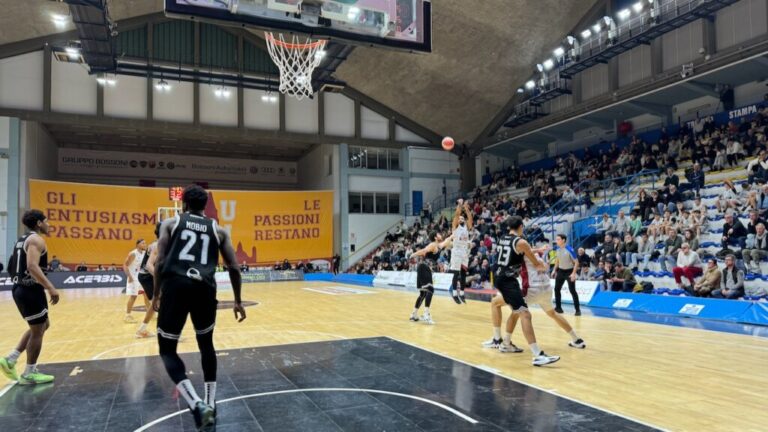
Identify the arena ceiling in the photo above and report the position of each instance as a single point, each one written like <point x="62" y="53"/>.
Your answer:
<point x="483" y="51"/>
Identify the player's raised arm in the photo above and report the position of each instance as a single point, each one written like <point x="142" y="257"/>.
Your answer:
<point x="457" y="214"/>
<point x="228" y="254"/>
<point x="469" y="216"/>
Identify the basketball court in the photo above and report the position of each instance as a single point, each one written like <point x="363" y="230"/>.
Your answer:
<point x="320" y="129"/>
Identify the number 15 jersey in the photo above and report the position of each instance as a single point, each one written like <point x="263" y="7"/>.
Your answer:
<point x="193" y="251"/>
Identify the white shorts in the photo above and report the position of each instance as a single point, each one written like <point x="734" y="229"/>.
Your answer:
<point x="541" y="297"/>
<point x="457" y="261"/>
<point x="134" y="288"/>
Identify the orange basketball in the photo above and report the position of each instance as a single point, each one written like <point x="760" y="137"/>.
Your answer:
<point x="448" y="143"/>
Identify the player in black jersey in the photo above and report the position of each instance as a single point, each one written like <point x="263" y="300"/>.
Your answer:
<point x="147" y="281"/>
<point x="28" y="259"/>
<point x="517" y="259"/>
<point x="188" y="251"/>
<point x="424" y="275"/>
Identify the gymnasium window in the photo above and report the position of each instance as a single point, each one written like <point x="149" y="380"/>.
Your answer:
<point x="374" y="158"/>
<point x="374" y="203"/>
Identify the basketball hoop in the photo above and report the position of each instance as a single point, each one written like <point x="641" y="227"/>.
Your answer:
<point x="296" y="61"/>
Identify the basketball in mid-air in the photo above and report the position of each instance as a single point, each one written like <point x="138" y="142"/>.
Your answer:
<point x="448" y="143"/>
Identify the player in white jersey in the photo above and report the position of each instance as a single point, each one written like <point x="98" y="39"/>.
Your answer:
<point x="537" y="289"/>
<point x="133" y="287"/>
<point x="462" y="224"/>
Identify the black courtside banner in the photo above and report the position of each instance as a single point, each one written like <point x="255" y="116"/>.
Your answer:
<point x="64" y="280"/>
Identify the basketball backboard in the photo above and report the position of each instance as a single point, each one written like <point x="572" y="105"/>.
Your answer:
<point x="397" y="24"/>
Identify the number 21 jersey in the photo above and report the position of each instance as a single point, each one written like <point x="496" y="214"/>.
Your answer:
<point x="194" y="249"/>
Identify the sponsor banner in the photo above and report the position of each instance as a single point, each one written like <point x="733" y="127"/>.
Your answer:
<point x="386" y="279"/>
<point x="255" y="276"/>
<point x="100" y="224"/>
<point x="585" y="289"/>
<point x="63" y="280"/>
<point x="742" y="112"/>
<point x="153" y="165"/>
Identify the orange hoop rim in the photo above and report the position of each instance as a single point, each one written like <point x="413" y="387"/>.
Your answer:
<point x="297" y="46"/>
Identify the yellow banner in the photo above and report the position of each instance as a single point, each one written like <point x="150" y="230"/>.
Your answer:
<point x="100" y="224"/>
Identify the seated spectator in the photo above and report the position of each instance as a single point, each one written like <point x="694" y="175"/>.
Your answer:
<point x="644" y="205"/>
<point x="55" y="264"/>
<point x="620" y="225"/>
<point x="628" y="249"/>
<point x="99" y="268"/>
<point x="244" y="267"/>
<point x="671" y="248"/>
<point x="754" y="220"/>
<point x="709" y="282"/>
<point x="695" y="179"/>
<point x="756" y="249"/>
<point x="688" y="265"/>
<point x="672" y="178"/>
<point x="698" y="222"/>
<point x="635" y="224"/>
<point x="620" y="279"/>
<point x="279" y="266"/>
<point x="731" y="280"/>
<point x="729" y="199"/>
<point x="671" y="197"/>
<point x="734" y="232"/>
<point x="689" y="236"/>
<point x="646" y="246"/>
<point x="757" y="169"/>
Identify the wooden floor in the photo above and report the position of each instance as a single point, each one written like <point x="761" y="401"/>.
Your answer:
<point x="669" y="377"/>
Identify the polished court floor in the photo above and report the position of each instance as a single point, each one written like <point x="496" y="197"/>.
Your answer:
<point x="632" y="376"/>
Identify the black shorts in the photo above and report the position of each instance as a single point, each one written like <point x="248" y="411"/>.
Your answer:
<point x="509" y="287"/>
<point x="32" y="303"/>
<point x="460" y="278"/>
<point x="424" y="278"/>
<point x="181" y="297"/>
<point x="147" y="284"/>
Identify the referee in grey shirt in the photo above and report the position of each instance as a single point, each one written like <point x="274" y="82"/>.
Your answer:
<point x="565" y="269"/>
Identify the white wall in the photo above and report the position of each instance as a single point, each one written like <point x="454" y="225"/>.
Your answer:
<point x="373" y="125"/>
<point x="750" y="93"/>
<point x="339" y="115"/>
<point x="218" y="110"/>
<point x="740" y="22"/>
<point x="259" y="114"/>
<point x="432" y="161"/>
<point x="21" y="81"/>
<point x="72" y="89"/>
<point x="127" y="99"/>
<point x="432" y="188"/>
<point x="634" y="65"/>
<point x="301" y="115"/>
<point x="404" y="135"/>
<point x="319" y="170"/>
<point x="374" y="184"/>
<point x="368" y="231"/>
<point x="682" y="45"/>
<point x="38" y="158"/>
<point x="645" y="121"/>
<point x="175" y="105"/>
<point x="594" y="81"/>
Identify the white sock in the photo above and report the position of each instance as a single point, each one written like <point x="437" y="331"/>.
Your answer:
<point x="30" y="368"/>
<point x="143" y="327"/>
<point x="187" y="390"/>
<point x="426" y="311"/>
<point x="574" y="336"/>
<point x="507" y="338"/>
<point x="210" y="394"/>
<point x="415" y="312"/>
<point x="535" y="349"/>
<point x="13" y="356"/>
<point x="497" y="333"/>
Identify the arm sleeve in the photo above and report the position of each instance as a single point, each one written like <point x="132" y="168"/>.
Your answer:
<point x="739" y="280"/>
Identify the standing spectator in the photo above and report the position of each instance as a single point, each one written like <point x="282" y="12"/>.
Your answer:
<point x="757" y="250"/>
<point x="688" y="265"/>
<point x="566" y="267"/>
<point x="731" y="281"/>
<point x="734" y="232"/>
<point x="336" y="263"/>
<point x="710" y="280"/>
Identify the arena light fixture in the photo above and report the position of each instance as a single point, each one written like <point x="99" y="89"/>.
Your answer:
<point x="539" y="67"/>
<point x="596" y="28"/>
<point x="59" y="20"/>
<point x="520" y="90"/>
<point x="559" y="51"/>
<point x="586" y="34"/>
<point x="319" y="54"/>
<point x="353" y="12"/>
<point x="73" y="52"/>
<point x="222" y="92"/>
<point x="163" y="86"/>
<point x="548" y="64"/>
<point x="571" y="40"/>
<point x="638" y="7"/>
<point x="624" y="14"/>
<point x="530" y="85"/>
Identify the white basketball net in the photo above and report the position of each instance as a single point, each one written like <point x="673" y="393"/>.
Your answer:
<point x="296" y="61"/>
